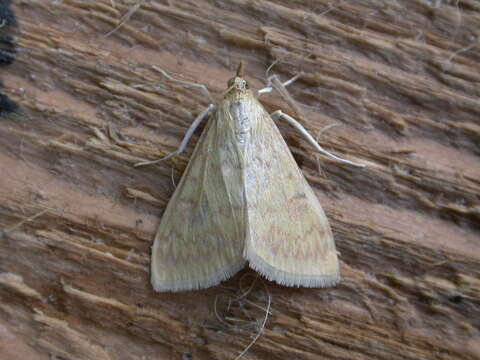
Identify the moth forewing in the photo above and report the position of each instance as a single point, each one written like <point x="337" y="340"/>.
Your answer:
<point x="290" y="240"/>
<point x="200" y="239"/>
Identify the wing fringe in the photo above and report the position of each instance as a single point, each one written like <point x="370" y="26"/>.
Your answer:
<point x="289" y="279"/>
<point x="175" y="285"/>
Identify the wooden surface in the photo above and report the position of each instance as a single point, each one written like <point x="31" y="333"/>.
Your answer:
<point x="400" y="77"/>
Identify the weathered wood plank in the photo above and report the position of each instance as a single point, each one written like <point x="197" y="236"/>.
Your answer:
<point x="402" y="78"/>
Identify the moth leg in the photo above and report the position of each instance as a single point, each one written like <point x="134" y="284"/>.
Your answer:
<point x="203" y="88"/>
<point x="185" y="140"/>
<point x="269" y="88"/>
<point x="281" y="115"/>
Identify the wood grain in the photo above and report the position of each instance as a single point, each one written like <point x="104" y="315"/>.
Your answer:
<point x="401" y="78"/>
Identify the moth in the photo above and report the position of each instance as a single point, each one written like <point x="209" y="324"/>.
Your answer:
<point x="242" y="198"/>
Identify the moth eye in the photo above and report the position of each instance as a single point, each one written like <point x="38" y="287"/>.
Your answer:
<point x="246" y="84"/>
<point x="231" y="82"/>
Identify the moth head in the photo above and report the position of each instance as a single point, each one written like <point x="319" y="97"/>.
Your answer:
<point x="238" y="84"/>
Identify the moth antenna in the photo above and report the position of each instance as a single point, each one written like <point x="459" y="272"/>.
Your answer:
<point x="240" y="70"/>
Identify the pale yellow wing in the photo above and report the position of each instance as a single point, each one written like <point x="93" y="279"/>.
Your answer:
<point x="201" y="236"/>
<point x="289" y="239"/>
